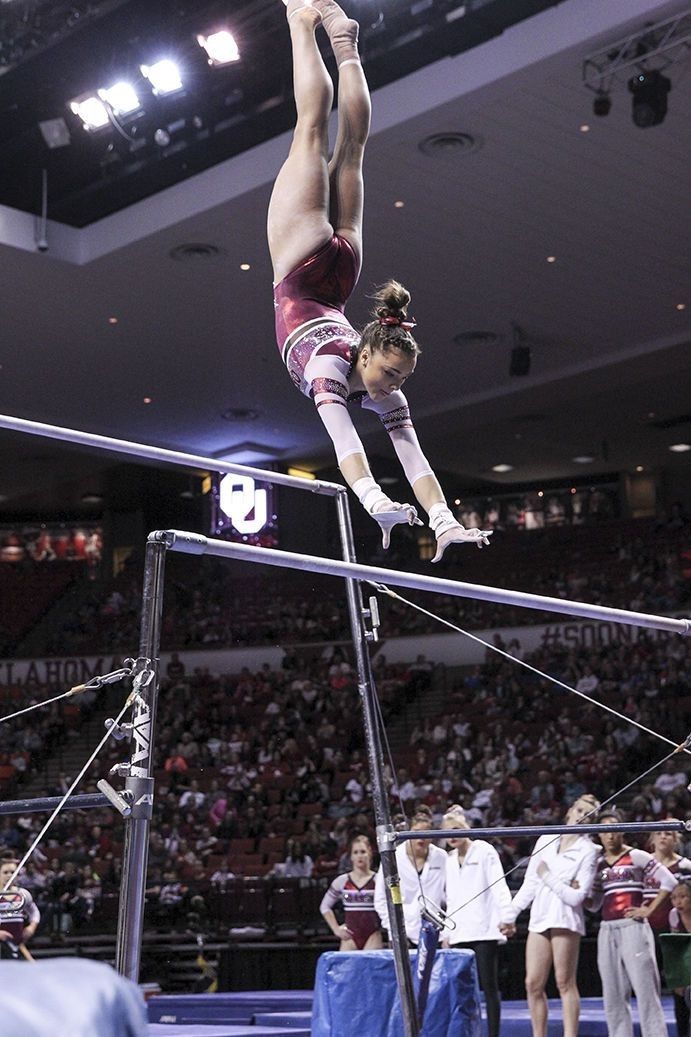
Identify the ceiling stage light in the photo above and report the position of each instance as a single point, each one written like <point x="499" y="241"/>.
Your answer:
<point x="91" y="110"/>
<point x="602" y="104"/>
<point x="164" y="76"/>
<point x="56" y="134"/>
<point x="220" y="47"/>
<point x="121" y="97"/>
<point x="649" y="91"/>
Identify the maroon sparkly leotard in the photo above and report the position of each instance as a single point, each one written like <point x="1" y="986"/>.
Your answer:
<point x="358" y="904"/>
<point x="316" y="290"/>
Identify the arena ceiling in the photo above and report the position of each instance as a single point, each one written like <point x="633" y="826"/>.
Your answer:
<point x="518" y="228"/>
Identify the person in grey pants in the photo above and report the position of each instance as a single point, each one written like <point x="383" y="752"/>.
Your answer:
<point x="625" y="945"/>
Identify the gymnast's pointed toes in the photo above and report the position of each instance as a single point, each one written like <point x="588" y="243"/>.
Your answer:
<point x="302" y="10"/>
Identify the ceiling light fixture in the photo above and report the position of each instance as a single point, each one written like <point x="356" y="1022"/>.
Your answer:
<point x="584" y="127"/>
<point x="55" y="133"/>
<point x="91" y="110"/>
<point x="220" y="47"/>
<point x="399" y="205"/>
<point x="583" y="459"/>
<point x="121" y="97"/>
<point x="680" y="448"/>
<point x="602" y="104"/>
<point x="681" y="306"/>
<point x="501" y="468"/>
<point x="649" y="90"/>
<point x="551" y="259"/>
<point x="164" y="77"/>
<point x="244" y="266"/>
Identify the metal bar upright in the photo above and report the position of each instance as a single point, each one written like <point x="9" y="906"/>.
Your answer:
<point x="140" y="781"/>
<point x="387" y="847"/>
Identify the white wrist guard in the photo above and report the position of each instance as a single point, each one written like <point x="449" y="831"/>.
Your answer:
<point x="441" y="519"/>
<point x="370" y="494"/>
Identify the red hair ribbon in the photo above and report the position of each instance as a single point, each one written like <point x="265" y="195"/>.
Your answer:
<point x="407" y="325"/>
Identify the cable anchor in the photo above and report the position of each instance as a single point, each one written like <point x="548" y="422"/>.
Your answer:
<point x="372" y="613"/>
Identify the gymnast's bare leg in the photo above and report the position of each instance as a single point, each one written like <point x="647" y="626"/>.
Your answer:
<point x="312" y="196"/>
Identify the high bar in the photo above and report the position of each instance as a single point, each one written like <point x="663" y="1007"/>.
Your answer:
<point x="156" y="453"/>
<point x="196" y="543"/>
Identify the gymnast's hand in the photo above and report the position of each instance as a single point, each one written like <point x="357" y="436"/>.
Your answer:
<point x="458" y="534"/>
<point x="448" y="531"/>
<point x="390" y="513"/>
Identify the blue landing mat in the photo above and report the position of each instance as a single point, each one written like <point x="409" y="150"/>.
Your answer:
<point x="286" y="1013"/>
<point x="515" y="1019"/>
<point x="238" y="1007"/>
<point x="291" y="1020"/>
<point x="229" y="1030"/>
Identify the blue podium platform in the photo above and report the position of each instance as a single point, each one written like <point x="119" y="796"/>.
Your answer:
<point x="356" y="993"/>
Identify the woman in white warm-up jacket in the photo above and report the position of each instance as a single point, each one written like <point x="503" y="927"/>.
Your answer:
<point x="422" y="872"/>
<point x="478" y="908"/>
<point x="558" y="880"/>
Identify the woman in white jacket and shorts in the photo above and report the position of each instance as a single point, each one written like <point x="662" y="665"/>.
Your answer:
<point x="558" y="880"/>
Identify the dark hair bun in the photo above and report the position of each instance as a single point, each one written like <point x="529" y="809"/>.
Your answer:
<point x="392" y="300"/>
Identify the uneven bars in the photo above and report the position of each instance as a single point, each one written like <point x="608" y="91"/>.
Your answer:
<point x="196" y="543"/>
<point x="156" y="453"/>
<point x="46" y="804"/>
<point x="533" y="831"/>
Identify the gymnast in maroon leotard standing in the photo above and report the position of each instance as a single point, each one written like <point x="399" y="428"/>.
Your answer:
<point x="315" y="239"/>
<point x="361" y="927"/>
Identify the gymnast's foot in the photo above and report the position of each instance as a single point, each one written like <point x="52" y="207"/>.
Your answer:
<point x="302" y="10"/>
<point x="341" y="30"/>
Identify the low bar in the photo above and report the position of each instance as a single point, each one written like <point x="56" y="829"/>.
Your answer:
<point x="156" y="453"/>
<point x="195" y="543"/>
<point x="536" y="830"/>
<point x="46" y="804"/>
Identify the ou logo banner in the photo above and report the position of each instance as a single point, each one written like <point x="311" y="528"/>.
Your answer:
<point x="245" y="504"/>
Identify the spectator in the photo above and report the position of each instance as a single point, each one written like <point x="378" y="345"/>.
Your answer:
<point x="297" y="863"/>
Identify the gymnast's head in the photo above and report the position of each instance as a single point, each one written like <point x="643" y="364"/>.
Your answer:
<point x="387" y="353"/>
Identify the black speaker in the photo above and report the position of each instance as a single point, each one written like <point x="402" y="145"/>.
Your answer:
<point x="520" y="361"/>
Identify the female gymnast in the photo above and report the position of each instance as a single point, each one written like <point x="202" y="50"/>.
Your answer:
<point x="315" y="240"/>
<point x="560" y="874"/>
<point x="478" y="904"/>
<point x="625" y="945"/>
<point x="361" y="928"/>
